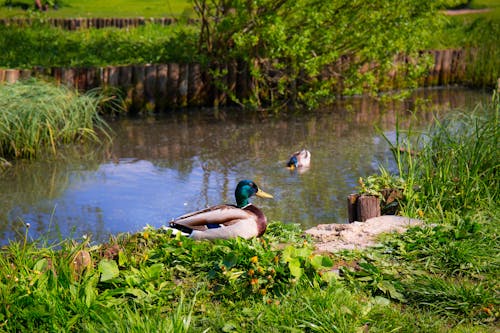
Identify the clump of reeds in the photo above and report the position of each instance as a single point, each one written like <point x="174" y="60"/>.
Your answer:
<point x="456" y="167"/>
<point x="36" y="115"/>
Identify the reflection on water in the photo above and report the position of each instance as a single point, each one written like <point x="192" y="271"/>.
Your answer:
<point x="161" y="167"/>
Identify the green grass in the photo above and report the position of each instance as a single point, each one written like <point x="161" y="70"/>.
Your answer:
<point x="38" y="116"/>
<point x="96" y="8"/>
<point x="47" y="46"/>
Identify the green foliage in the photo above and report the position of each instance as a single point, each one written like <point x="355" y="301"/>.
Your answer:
<point x="40" y="116"/>
<point x="46" y="46"/>
<point x="290" y="44"/>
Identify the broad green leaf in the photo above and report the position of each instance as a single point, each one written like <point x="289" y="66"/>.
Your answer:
<point x="295" y="269"/>
<point x="321" y="262"/>
<point x="108" y="269"/>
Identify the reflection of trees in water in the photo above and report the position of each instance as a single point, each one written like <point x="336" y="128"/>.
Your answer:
<point x="220" y="140"/>
<point x="232" y="144"/>
<point x="29" y="182"/>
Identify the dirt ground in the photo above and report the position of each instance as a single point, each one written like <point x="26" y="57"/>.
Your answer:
<point x="358" y="235"/>
<point x="465" y="11"/>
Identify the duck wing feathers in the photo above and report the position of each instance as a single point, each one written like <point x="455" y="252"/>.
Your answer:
<point x="220" y="214"/>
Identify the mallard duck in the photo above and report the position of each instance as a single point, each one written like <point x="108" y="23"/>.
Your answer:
<point x="227" y="221"/>
<point x="299" y="159"/>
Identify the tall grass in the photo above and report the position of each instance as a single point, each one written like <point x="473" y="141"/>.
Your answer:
<point x="37" y="116"/>
<point x="457" y="162"/>
<point x="452" y="267"/>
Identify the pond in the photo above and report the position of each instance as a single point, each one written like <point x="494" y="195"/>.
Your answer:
<point x="162" y="166"/>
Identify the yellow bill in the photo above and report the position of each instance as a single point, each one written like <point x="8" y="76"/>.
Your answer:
<point x="263" y="194"/>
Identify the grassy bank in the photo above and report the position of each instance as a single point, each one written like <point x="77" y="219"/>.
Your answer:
<point x="95" y="8"/>
<point x="47" y="46"/>
<point x="439" y="278"/>
<point x="37" y="116"/>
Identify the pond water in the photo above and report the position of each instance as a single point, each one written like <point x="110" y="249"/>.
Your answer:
<point x="160" y="167"/>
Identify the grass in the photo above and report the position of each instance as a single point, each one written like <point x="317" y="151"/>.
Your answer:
<point x="96" y="8"/>
<point x="47" y="46"/>
<point x="38" y="116"/>
<point x="442" y="277"/>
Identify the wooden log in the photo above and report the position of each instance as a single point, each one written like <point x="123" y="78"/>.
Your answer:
<point x="161" y="87"/>
<point x="453" y="67"/>
<point x="92" y="78"/>
<point x="172" y="84"/>
<point x="80" y="81"/>
<point x="138" y="78"/>
<point x="461" y="65"/>
<point x="11" y="75"/>
<point x="444" y="77"/>
<point x="437" y="68"/>
<point x="2" y="75"/>
<point x="232" y="78"/>
<point x="368" y="206"/>
<point x="195" y="86"/>
<point x="242" y="81"/>
<point x="25" y="74"/>
<point x="429" y="77"/>
<point x="352" y="211"/>
<point x="150" y="87"/>
<point x="125" y="77"/>
<point x="113" y="76"/>
<point x="182" y="96"/>
<point x="219" y="84"/>
<point x="68" y="77"/>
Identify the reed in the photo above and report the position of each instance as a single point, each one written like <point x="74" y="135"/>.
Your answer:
<point x="38" y="116"/>
<point x="456" y="167"/>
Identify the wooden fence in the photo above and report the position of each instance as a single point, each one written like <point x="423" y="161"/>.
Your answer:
<point x="85" y="23"/>
<point x="163" y="86"/>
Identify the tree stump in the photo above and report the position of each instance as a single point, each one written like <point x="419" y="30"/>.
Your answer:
<point x="352" y="210"/>
<point x="362" y="207"/>
<point x="368" y="206"/>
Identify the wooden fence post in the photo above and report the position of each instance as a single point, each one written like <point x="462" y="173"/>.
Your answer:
<point x="183" y="85"/>
<point x="150" y="91"/>
<point x="161" y="87"/>
<point x="368" y="206"/>
<point x="196" y="93"/>
<point x="172" y="84"/>
<point x="11" y="75"/>
<point x="362" y="207"/>
<point x="352" y="211"/>
<point x="138" y="77"/>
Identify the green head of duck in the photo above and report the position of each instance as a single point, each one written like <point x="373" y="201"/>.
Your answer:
<point x="246" y="189"/>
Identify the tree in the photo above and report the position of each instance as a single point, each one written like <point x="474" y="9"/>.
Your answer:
<point x="297" y="50"/>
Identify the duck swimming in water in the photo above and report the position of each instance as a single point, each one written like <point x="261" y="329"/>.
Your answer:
<point x="227" y="221"/>
<point x="299" y="159"/>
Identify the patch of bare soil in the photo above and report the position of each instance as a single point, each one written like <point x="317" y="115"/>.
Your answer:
<point x="358" y="235"/>
<point x="466" y="11"/>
